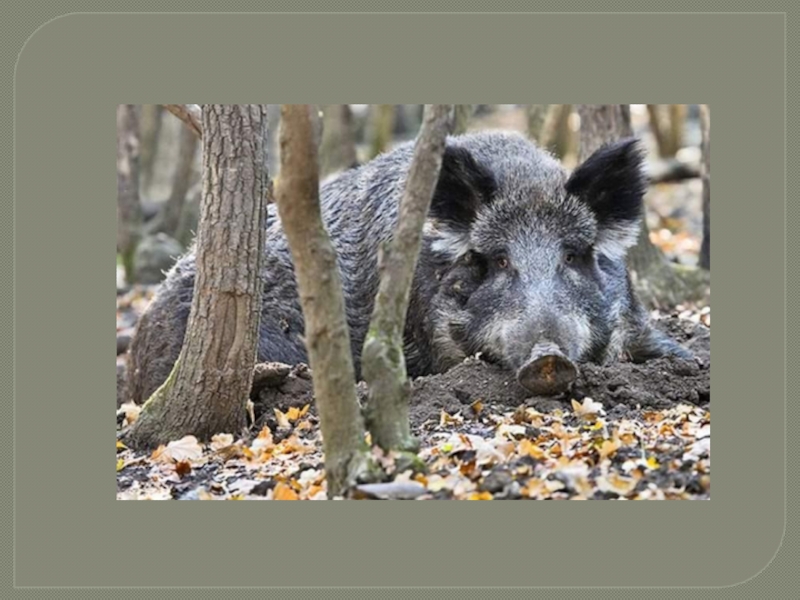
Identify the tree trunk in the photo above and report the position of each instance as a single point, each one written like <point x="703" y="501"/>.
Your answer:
<point x="151" y="119"/>
<point x="169" y="218"/>
<point x="129" y="208"/>
<point x="381" y="126"/>
<point x="461" y="117"/>
<point x="318" y="281"/>
<point x="659" y="284"/>
<point x="705" y="248"/>
<point x="556" y="134"/>
<point x="383" y="362"/>
<point x="537" y="113"/>
<point x="207" y="390"/>
<point x="338" y="147"/>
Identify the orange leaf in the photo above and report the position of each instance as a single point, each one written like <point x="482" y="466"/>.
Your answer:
<point x="480" y="496"/>
<point x="528" y="447"/>
<point x="284" y="492"/>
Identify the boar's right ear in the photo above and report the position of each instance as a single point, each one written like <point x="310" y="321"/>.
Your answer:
<point x="612" y="184"/>
<point x="464" y="186"/>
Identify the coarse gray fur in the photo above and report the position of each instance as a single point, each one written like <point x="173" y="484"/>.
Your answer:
<point x="515" y="251"/>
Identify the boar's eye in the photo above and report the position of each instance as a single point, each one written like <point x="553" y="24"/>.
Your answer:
<point x="501" y="261"/>
<point x="574" y="257"/>
<point x="569" y="257"/>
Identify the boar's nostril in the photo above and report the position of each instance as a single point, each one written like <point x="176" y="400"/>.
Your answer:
<point x="547" y="371"/>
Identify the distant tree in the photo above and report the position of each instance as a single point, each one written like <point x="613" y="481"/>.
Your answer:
<point x="462" y="114"/>
<point x="556" y="135"/>
<point x="168" y="219"/>
<point x="129" y="208"/>
<point x="383" y="362"/>
<point x="327" y="335"/>
<point x="207" y="391"/>
<point x="705" y="249"/>
<point x="151" y="119"/>
<point x="658" y="282"/>
<point x="338" y="147"/>
<point x="536" y="113"/>
<point x="380" y="128"/>
<point x="666" y="122"/>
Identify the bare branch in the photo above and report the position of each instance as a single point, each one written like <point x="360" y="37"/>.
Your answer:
<point x="191" y="114"/>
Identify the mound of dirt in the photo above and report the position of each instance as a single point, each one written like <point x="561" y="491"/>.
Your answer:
<point x="658" y="383"/>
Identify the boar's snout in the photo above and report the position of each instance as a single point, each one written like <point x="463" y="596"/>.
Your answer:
<point x="547" y="371"/>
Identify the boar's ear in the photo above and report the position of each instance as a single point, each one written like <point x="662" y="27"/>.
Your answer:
<point x="464" y="186"/>
<point x="612" y="184"/>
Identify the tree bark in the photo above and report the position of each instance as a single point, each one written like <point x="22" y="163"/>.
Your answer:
<point x="169" y="218"/>
<point x="318" y="281"/>
<point x="537" y="113"/>
<point x="129" y="208"/>
<point x="659" y="284"/>
<point x="338" y="147"/>
<point x="705" y="248"/>
<point x="381" y="127"/>
<point x="191" y="114"/>
<point x="150" y="122"/>
<point x="207" y="390"/>
<point x="383" y="362"/>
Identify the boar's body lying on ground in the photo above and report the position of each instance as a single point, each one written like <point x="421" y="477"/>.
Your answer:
<point x="520" y="261"/>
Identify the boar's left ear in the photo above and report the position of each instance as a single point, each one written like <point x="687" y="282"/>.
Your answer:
<point x="464" y="186"/>
<point x="612" y="184"/>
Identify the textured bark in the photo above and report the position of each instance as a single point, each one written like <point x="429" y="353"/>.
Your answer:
<point x="705" y="248"/>
<point x="461" y="117"/>
<point x="168" y="220"/>
<point x="150" y="126"/>
<point x="381" y="126"/>
<point x="537" y="113"/>
<point x="129" y="208"/>
<point x="383" y="362"/>
<point x="207" y="391"/>
<point x="190" y="114"/>
<point x="556" y="135"/>
<point x="659" y="284"/>
<point x="338" y="147"/>
<point x="326" y="333"/>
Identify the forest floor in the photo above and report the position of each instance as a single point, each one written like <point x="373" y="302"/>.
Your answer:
<point x="625" y="431"/>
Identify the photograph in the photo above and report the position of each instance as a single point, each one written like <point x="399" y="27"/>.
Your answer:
<point x="413" y="302"/>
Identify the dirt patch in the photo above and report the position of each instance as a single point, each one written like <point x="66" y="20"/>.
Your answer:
<point x="623" y="386"/>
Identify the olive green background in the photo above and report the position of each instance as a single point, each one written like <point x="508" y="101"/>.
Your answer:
<point x="72" y="71"/>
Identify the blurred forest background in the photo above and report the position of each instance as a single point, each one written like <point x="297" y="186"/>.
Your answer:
<point x="163" y="224"/>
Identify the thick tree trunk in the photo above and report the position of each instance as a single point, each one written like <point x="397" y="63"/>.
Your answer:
<point x="383" y="362"/>
<point x="151" y="119"/>
<point x="537" y="113"/>
<point x="129" y="208"/>
<point x="705" y="248"/>
<point x="326" y="333"/>
<point x="658" y="283"/>
<point x="556" y="135"/>
<point x="207" y="391"/>
<point x="169" y="218"/>
<point x="381" y="126"/>
<point x="338" y="147"/>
